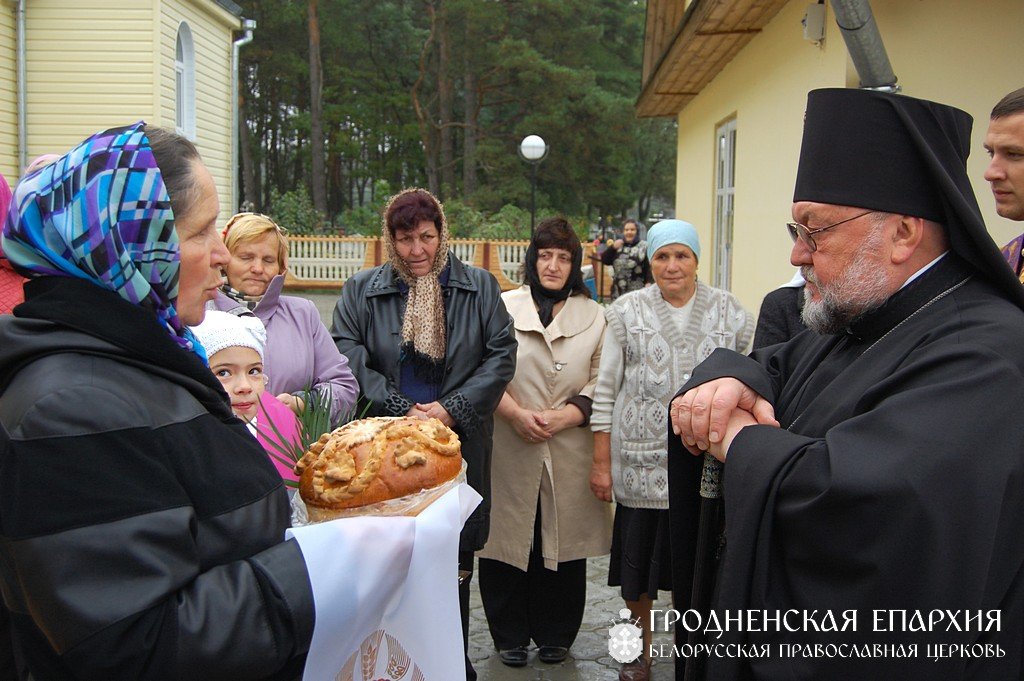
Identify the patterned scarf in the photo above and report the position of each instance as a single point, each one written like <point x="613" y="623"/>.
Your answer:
<point x="423" y="328"/>
<point x="250" y="302"/>
<point x="101" y="213"/>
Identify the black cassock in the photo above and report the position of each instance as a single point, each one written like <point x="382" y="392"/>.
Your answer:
<point x="896" y="483"/>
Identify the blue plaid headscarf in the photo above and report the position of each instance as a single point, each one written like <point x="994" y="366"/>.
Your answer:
<point x="102" y="213"/>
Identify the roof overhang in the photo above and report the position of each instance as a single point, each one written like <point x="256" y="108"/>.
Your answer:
<point x="230" y="7"/>
<point x="682" y="57"/>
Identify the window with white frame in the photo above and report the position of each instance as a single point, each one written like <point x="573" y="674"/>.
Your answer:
<point x="185" y="83"/>
<point x="725" y="176"/>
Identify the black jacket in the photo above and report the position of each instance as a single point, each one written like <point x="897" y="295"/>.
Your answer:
<point x="779" y="318"/>
<point x="479" y="362"/>
<point x="142" y="526"/>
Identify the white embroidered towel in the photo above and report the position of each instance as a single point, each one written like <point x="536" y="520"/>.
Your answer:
<point x="386" y="594"/>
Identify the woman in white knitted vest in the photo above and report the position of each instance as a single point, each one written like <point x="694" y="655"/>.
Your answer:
<point x="654" y="339"/>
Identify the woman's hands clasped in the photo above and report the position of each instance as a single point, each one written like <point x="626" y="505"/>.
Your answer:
<point x="532" y="426"/>
<point x="541" y="426"/>
<point x="432" y="410"/>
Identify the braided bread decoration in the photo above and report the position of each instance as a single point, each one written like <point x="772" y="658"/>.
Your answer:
<point x="377" y="459"/>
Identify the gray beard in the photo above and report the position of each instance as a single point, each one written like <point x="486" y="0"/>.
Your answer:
<point x="861" y="289"/>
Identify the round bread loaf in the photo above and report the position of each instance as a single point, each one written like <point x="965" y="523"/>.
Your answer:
<point x="373" y="460"/>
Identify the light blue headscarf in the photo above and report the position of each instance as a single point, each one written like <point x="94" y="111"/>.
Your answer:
<point x="672" y="232"/>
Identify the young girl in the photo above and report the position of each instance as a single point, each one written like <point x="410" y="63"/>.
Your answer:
<point x="235" y="347"/>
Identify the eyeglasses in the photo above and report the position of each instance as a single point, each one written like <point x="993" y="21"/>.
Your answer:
<point x="806" y="234"/>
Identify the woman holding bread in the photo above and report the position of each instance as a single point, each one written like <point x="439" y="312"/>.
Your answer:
<point x="428" y="336"/>
<point x="142" y="525"/>
<point x="546" y="520"/>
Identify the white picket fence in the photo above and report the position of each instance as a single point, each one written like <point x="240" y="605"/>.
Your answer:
<point x="326" y="259"/>
<point x="465" y="250"/>
<point x="326" y="262"/>
<point x="511" y="255"/>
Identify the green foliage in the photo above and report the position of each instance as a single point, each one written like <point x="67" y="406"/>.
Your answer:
<point x="360" y="221"/>
<point x="365" y="220"/>
<point x="467" y="222"/>
<point x="314" y="421"/>
<point x="294" y="211"/>
<point x="510" y="222"/>
<point x="400" y="111"/>
<point x="464" y="221"/>
<point x="582" y="228"/>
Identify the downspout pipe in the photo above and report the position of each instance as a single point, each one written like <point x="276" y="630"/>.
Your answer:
<point x="248" y="25"/>
<point x="864" y="43"/>
<point x="22" y="86"/>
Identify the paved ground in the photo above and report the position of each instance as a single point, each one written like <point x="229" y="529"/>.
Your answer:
<point x="588" y="658"/>
<point x="325" y="302"/>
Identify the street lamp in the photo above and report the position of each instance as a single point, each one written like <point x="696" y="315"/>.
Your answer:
<point x="533" y="149"/>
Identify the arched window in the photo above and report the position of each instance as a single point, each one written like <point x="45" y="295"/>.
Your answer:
<point x="185" y="83"/>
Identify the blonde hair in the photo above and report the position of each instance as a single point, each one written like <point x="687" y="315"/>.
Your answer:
<point x="246" y="227"/>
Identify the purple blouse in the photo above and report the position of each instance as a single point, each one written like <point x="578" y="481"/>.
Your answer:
<point x="300" y="352"/>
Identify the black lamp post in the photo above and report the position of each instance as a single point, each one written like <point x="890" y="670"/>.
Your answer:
<point x="533" y="149"/>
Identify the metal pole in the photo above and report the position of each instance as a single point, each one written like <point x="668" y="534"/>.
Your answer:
<point x="22" y="96"/>
<point x="248" y="25"/>
<point x="864" y="43"/>
<point x="533" y="198"/>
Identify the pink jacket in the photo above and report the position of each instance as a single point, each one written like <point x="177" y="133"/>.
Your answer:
<point x="11" y="293"/>
<point x="284" y="422"/>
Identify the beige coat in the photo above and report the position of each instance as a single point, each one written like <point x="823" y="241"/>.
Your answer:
<point x="552" y="365"/>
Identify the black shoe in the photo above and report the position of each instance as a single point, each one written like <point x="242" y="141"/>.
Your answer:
<point x="552" y="654"/>
<point x="514" y="657"/>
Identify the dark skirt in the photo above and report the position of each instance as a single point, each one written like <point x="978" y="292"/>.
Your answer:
<point x="641" y="561"/>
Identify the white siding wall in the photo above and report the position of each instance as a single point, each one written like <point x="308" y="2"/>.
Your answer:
<point x="89" y="68"/>
<point x="212" y="36"/>
<point x="8" y="94"/>
<point x="94" y="64"/>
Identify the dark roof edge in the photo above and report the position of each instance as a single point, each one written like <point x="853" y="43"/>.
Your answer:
<point x="230" y="7"/>
<point x="690" y="11"/>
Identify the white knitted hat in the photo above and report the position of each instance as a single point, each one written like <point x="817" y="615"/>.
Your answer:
<point x="221" y="330"/>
